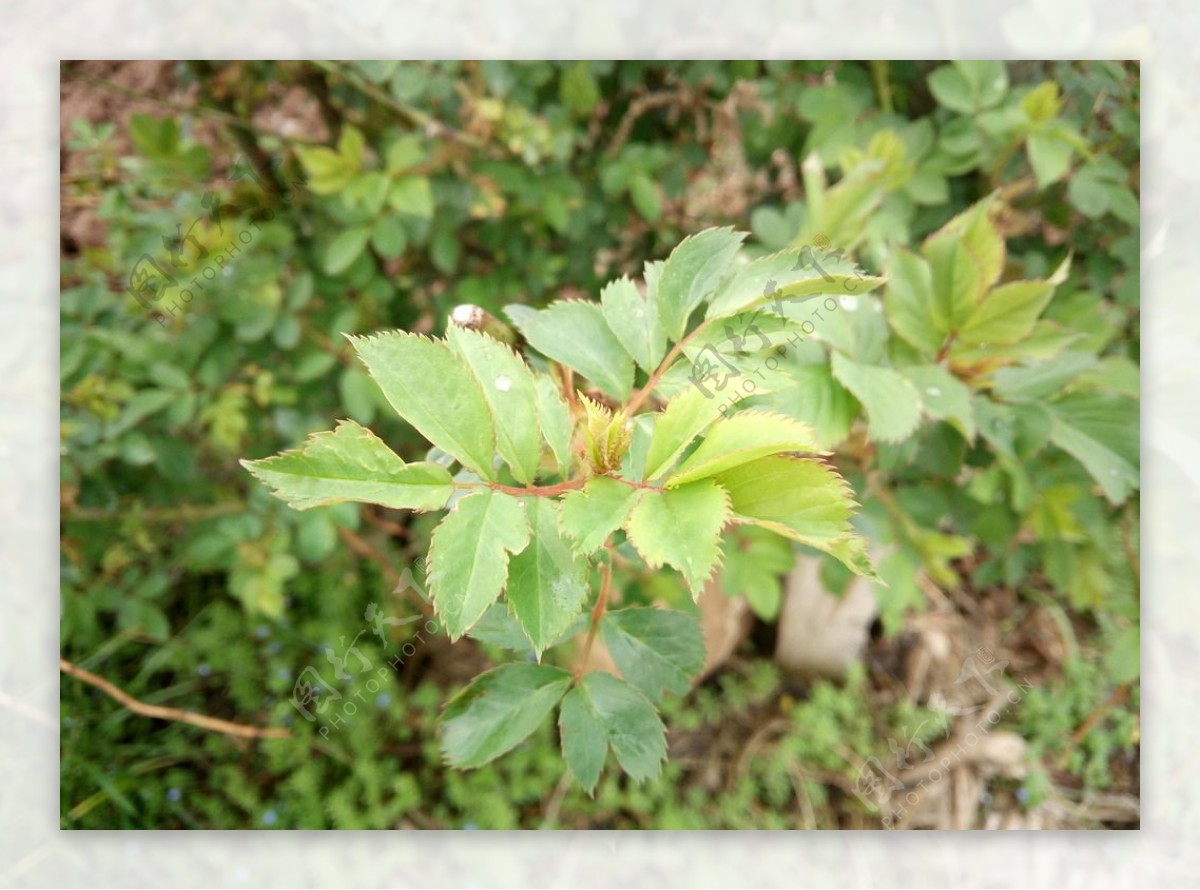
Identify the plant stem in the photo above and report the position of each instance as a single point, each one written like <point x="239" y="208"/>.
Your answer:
<point x="945" y="350"/>
<point x="185" y="513"/>
<point x="549" y="491"/>
<point x="543" y="491"/>
<point x="160" y="713"/>
<point x="240" y="129"/>
<point x="635" y="401"/>
<point x="597" y="614"/>
<point x="416" y="117"/>
<point x="883" y="85"/>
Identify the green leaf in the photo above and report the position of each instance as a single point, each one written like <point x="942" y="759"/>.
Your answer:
<point x="681" y="527"/>
<point x="1047" y="342"/>
<point x="752" y="332"/>
<point x="655" y="649"/>
<point x="499" y="627"/>
<point x="1101" y="432"/>
<point x="351" y="464"/>
<point x="498" y="711"/>
<point x="1050" y="157"/>
<point x="404" y="153"/>
<point x="754" y="280"/>
<point x="359" y="394"/>
<point x="966" y="257"/>
<point x="554" y="418"/>
<point x="646" y="195"/>
<point x="327" y="171"/>
<point x="1025" y="383"/>
<point x="433" y="390"/>
<point x="744" y="437"/>
<point x="1094" y="188"/>
<point x="366" y="192"/>
<point x="801" y="499"/>
<point x="951" y="89"/>
<point x="468" y="556"/>
<point x="969" y="86"/>
<point x="590" y="515"/>
<point x="1124" y="659"/>
<point x="352" y="146"/>
<point x="724" y="380"/>
<point x="944" y="397"/>
<point x="1115" y="374"/>
<point x="510" y="392"/>
<point x="901" y="570"/>
<point x="910" y="306"/>
<point x="633" y="466"/>
<point x="577" y="89"/>
<point x="928" y="186"/>
<point x="604" y="712"/>
<point x="634" y="320"/>
<point x="789" y="275"/>
<point x="1042" y="103"/>
<point x="956" y="280"/>
<point x="155" y="137"/>
<point x="1007" y="314"/>
<point x="574" y="333"/>
<point x="346" y="248"/>
<point x="819" y="401"/>
<point x="412" y="195"/>
<point x="756" y="559"/>
<point x="547" y="582"/>
<point x="685" y="417"/>
<point x="388" y="236"/>
<point x="988" y="79"/>
<point x="892" y="403"/>
<point x="692" y="272"/>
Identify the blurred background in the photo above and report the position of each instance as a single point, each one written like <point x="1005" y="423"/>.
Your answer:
<point x="224" y="223"/>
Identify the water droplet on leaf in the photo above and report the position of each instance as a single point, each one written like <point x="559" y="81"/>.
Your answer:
<point x="504" y="384"/>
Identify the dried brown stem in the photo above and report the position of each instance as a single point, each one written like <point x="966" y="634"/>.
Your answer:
<point x="176" y="715"/>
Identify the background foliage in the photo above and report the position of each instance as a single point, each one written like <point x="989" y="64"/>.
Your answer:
<point x="331" y="198"/>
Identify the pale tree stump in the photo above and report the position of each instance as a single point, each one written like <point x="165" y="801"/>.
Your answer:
<point x="821" y="635"/>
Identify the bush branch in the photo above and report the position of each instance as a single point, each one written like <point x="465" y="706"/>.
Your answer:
<point x="158" y="712"/>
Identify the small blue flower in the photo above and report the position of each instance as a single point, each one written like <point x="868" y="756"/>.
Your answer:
<point x="382" y="700"/>
<point x="470" y="826"/>
<point x="262" y="631"/>
<point x="204" y="670"/>
<point x="272" y="648"/>
<point x="174" y="794"/>
<point x="270" y="817"/>
<point x="1023" y="795"/>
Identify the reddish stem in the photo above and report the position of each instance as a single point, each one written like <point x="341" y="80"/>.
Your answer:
<point x="597" y="614"/>
<point x="549" y="491"/>
<point x="635" y="401"/>
<point x="542" y="491"/>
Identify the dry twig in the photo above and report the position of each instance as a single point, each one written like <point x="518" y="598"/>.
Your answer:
<point x="158" y="712"/>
